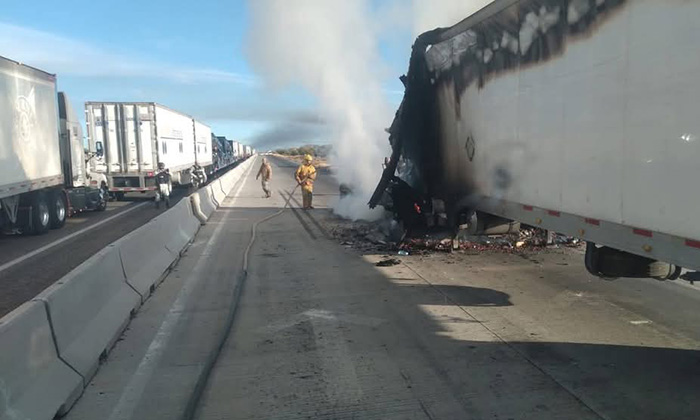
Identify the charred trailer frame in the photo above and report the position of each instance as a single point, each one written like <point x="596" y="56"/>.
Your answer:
<point x="527" y="110"/>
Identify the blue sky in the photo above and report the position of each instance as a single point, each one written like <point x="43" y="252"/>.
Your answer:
<point x="184" y="54"/>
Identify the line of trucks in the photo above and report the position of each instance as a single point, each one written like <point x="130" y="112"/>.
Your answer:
<point x="46" y="172"/>
<point x="575" y="116"/>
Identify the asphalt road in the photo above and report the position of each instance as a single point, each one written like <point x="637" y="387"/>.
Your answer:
<point x="29" y="264"/>
<point x="320" y="332"/>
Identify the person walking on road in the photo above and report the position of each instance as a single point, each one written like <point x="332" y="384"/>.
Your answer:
<point x="163" y="185"/>
<point x="305" y="176"/>
<point x="266" y="173"/>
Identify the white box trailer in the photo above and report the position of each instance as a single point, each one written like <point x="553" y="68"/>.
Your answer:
<point x="43" y="177"/>
<point x="235" y="147"/>
<point x="575" y="116"/>
<point x="136" y="136"/>
<point x="29" y="148"/>
<point x="203" y="149"/>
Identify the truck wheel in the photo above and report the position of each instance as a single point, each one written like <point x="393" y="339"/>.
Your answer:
<point x="610" y="263"/>
<point x="58" y="209"/>
<point x="119" y="196"/>
<point x="41" y="215"/>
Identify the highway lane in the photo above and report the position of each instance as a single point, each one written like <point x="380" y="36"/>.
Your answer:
<point x="29" y="264"/>
<point x="322" y="332"/>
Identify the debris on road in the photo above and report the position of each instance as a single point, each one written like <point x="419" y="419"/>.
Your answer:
<point x="384" y="235"/>
<point x="388" y="262"/>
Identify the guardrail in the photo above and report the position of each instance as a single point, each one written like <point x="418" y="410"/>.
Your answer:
<point x="51" y="347"/>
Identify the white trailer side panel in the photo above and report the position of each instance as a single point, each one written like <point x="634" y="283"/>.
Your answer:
<point x="234" y="147"/>
<point x="175" y="139"/>
<point x="29" y="147"/>
<point x="608" y="129"/>
<point x="203" y="144"/>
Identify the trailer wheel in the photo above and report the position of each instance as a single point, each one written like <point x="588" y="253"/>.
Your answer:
<point x="41" y="215"/>
<point x="102" y="206"/>
<point x="610" y="263"/>
<point x="58" y="209"/>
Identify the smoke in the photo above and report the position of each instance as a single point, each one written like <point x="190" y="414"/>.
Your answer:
<point x="329" y="48"/>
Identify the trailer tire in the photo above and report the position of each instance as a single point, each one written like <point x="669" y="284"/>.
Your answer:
<point x="119" y="196"/>
<point x="41" y="215"/>
<point x="58" y="209"/>
<point x="610" y="263"/>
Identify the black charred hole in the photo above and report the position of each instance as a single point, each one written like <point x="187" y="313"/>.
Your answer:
<point x="502" y="178"/>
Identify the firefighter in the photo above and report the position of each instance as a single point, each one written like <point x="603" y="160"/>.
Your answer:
<point x="266" y="173"/>
<point x="163" y="185"/>
<point x="305" y="176"/>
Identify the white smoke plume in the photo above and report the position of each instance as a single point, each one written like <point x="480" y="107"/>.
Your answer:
<point x="330" y="49"/>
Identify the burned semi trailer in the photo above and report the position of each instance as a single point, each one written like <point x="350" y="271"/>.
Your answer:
<point x="577" y="116"/>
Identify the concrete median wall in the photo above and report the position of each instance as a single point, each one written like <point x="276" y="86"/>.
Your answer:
<point x="34" y="382"/>
<point x="205" y="202"/>
<point x="217" y="192"/>
<point x="51" y="347"/>
<point x="183" y="225"/>
<point x="145" y="256"/>
<point x="89" y="308"/>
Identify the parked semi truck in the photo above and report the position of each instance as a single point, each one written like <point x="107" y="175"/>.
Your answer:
<point x="43" y="170"/>
<point x="576" y="116"/>
<point x="135" y="136"/>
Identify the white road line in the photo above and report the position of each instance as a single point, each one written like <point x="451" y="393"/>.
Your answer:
<point x="134" y="391"/>
<point x="65" y="238"/>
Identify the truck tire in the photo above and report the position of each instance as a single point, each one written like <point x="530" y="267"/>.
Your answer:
<point x="610" y="263"/>
<point x="102" y="206"/>
<point x="58" y="209"/>
<point x="41" y="214"/>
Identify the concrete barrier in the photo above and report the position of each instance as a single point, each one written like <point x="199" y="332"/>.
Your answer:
<point x="34" y="382"/>
<point x="89" y="308"/>
<point x="205" y="201"/>
<point x="45" y="364"/>
<point x="183" y="225"/>
<point x="145" y="256"/>
<point x="217" y="192"/>
<point x="197" y="209"/>
<point x="229" y="179"/>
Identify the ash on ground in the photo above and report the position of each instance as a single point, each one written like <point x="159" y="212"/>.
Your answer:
<point x="386" y="236"/>
<point x="378" y="236"/>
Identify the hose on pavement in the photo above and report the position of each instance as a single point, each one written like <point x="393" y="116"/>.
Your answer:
<point x="205" y="374"/>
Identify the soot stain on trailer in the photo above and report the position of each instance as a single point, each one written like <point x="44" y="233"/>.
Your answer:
<point x="524" y="34"/>
<point x="527" y="33"/>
